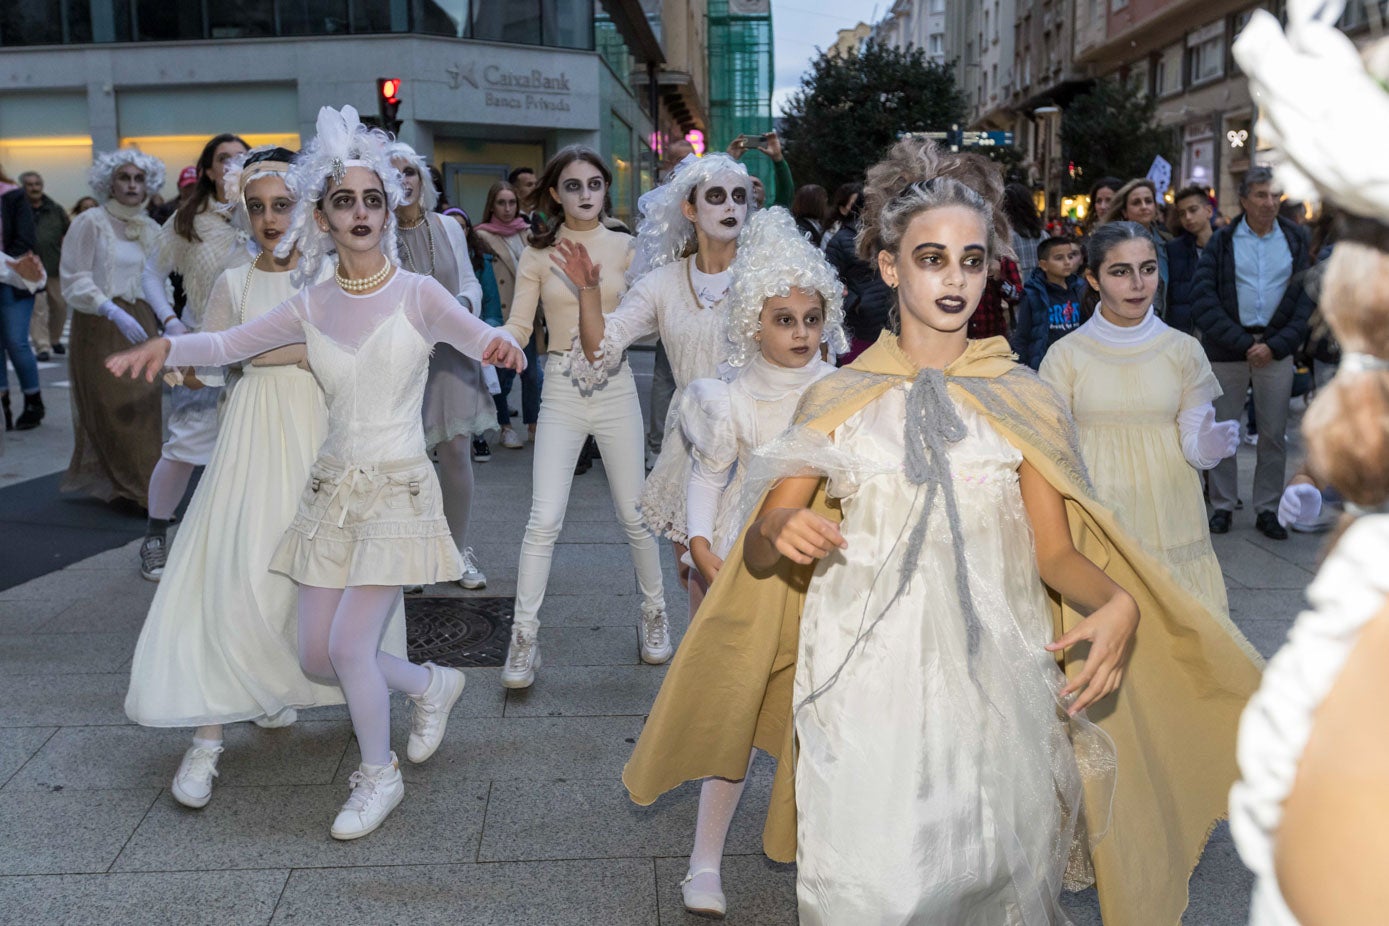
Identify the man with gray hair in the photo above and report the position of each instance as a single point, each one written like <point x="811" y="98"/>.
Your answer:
<point x="50" y="310"/>
<point x="1252" y="317"/>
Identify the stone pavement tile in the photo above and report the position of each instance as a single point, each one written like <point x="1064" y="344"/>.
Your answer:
<point x="120" y="559"/>
<point x="586" y="691"/>
<point x="581" y="646"/>
<point x="1299" y="549"/>
<point x="207" y="898"/>
<point x="74" y="700"/>
<point x="1267" y="636"/>
<point x="62" y="832"/>
<point x="616" y="892"/>
<point x="28" y="616"/>
<point x="83" y="758"/>
<point x="570" y="608"/>
<point x="1220" y="886"/>
<point x="1264" y="604"/>
<point x="760" y="892"/>
<point x="64" y="653"/>
<point x="122" y="610"/>
<point x="488" y="749"/>
<point x="529" y="820"/>
<point x="1083" y="908"/>
<point x="72" y="584"/>
<point x="17" y="745"/>
<point x="1253" y="566"/>
<point x="287" y="827"/>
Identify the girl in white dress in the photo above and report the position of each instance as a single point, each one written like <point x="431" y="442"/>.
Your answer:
<point x="786" y="305"/>
<point x="371" y="518"/>
<point x="457" y="404"/>
<point x="218" y="645"/>
<point x="936" y="780"/>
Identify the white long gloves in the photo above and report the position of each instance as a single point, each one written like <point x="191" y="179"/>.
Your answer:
<point x="128" y="326"/>
<point x="1205" y="442"/>
<point x="1301" y="504"/>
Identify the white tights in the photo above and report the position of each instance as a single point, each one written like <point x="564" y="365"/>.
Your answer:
<point x="456" y="484"/>
<point x="340" y="633"/>
<point x="718" y="800"/>
<point x="168" y="482"/>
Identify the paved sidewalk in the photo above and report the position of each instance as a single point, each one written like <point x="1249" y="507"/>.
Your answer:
<point x="520" y="817"/>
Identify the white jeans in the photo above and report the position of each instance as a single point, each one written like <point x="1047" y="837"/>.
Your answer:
<point x="613" y="416"/>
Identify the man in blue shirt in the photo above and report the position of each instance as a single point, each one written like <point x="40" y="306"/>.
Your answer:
<point x="1251" y="321"/>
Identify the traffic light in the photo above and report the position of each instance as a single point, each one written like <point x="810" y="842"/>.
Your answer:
<point x="388" y="98"/>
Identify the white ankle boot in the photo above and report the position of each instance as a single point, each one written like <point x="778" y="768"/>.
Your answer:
<point x="376" y="790"/>
<point x="430" y="711"/>
<point x="522" y="659"/>
<point x="702" y="892"/>
<point x="192" y="785"/>
<point x="653" y="635"/>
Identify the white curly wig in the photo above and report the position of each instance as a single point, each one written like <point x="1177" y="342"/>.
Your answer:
<point x="264" y="161"/>
<point x="429" y="197"/>
<point x="341" y="142"/>
<point x="773" y="259"/>
<point x="664" y="234"/>
<point x="105" y="164"/>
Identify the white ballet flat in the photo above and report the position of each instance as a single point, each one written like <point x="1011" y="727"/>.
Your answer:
<point x="703" y="902"/>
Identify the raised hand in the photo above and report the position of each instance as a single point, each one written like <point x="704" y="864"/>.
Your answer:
<point x="1109" y="630"/>
<point x="144" y="359"/>
<point x="574" y="260"/>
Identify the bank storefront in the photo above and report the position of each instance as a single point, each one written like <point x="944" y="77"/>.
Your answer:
<point x="474" y="108"/>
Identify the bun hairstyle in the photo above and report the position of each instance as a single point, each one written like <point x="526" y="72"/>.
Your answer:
<point x="917" y="175"/>
<point x="1347" y="427"/>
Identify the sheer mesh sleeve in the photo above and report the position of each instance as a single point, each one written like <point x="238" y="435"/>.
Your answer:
<point x="447" y="321"/>
<point x="281" y="325"/>
<point x="635" y="317"/>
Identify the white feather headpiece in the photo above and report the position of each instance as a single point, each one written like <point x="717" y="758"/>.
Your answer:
<point x="106" y="163"/>
<point x="774" y="258"/>
<point x="342" y="141"/>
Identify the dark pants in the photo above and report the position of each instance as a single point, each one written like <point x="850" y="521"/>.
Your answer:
<point x="531" y="380"/>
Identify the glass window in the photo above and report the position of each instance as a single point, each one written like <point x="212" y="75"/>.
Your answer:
<point x="935" y="44"/>
<point x="378" y="16"/>
<point x="516" y="21"/>
<point x="1167" y="73"/>
<point x="567" y="23"/>
<point x="243" y="20"/>
<point x="613" y="49"/>
<point x="620" y="137"/>
<point x="444" y="17"/>
<point x="314" y="17"/>
<point x="31" y="22"/>
<point x="158" y="20"/>
<point x="1208" y="59"/>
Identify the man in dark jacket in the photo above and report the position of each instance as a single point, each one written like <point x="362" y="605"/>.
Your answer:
<point x="868" y="305"/>
<point x="1251" y="321"/>
<point x="50" y="225"/>
<point x="1052" y="301"/>
<point x="1194" y="209"/>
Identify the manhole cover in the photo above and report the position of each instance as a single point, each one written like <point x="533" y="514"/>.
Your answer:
<point x="464" y="633"/>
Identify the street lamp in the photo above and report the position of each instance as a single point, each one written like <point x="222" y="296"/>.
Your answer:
<point x="1045" y="113"/>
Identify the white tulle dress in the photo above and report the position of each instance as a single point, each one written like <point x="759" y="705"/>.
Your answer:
<point x="220" y="642"/>
<point x="934" y="785"/>
<point x="372" y="512"/>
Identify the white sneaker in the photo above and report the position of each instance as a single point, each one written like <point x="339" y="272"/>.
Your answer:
<point x="282" y="719"/>
<point x="429" y="713"/>
<point x="376" y="790"/>
<point x="193" y="781"/>
<point x="510" y="439"/>
<point x="653" y="635"/>
<point x="702" y="892"/>
<point x="472" y="577"/>
<point x="522" y="659"/>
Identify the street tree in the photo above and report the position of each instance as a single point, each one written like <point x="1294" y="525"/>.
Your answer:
<point x="849" y="110"/>
<point x="1111" y="130"/>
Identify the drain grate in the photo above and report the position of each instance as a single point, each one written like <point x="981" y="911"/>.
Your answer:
<point x="464" y="633"/>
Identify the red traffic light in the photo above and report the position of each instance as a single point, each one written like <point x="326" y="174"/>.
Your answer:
<point x="390" y="86"/>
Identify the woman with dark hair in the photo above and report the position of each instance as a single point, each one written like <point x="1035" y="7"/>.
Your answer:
<point x="199" y="243"/>
<point x="1028" y="232"/>
<point x="868" y="301"/>
<point x="1141" y="394"/>
<point x="82" y="205"/>
<point x="842" y="205"/>
<point x="571" y="192"/>
<point x="1137" y="201"/>
<point x="808" y="208"/>
<point x="502" y="234"/>
<point x="1101" y="195"/>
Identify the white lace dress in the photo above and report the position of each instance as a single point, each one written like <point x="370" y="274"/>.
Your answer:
<point x="663" y="302"/>
<point x="372" y="513"/>
<point x="1348" y="593"/>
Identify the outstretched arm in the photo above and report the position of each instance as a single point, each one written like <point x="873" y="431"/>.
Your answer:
<point x="787" y="527"/>
<point x="279" y="326"/>
<point x="447" y="321"/>
<point x="1113" y="613"/>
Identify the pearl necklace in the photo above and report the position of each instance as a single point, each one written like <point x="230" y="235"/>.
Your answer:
<point x="365" y="283"/>
<point x="410" y="255"/>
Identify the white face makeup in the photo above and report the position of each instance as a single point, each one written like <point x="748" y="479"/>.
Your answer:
<point x="128" y="185"/>
<point x="409" y="180"/>
<point x="580" y="192"/>
<point x="269" y="208"/>
<point x="353" y="212"/>
<point x="721" y="206"/>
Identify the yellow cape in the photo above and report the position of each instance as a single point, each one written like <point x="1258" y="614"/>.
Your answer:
<point x="1173" y="721"/>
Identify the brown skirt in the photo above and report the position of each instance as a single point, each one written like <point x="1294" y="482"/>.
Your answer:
<point x="117" y="426"/>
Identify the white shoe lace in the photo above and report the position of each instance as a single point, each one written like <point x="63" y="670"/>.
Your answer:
<point x="521" y="649"/>
<point x="201" y="762"/>
<point x="363" y="791"/>
<point x="469" y="561"/>
<point x="654" y="628"/>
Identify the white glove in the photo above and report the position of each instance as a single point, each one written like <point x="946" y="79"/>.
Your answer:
<point x="1217" y="441"/>
<point x="1301" y="504"/>
<point x="129" y="327"/>
<point x="173" y="327"/>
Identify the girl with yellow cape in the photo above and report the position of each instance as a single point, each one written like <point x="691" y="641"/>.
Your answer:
<point x="883" y="628"/>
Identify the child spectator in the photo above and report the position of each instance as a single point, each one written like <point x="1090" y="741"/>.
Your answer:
<point x="1051" y="300"/>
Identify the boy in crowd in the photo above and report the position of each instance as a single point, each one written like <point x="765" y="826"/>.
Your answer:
<point x="1051" y="300"/>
